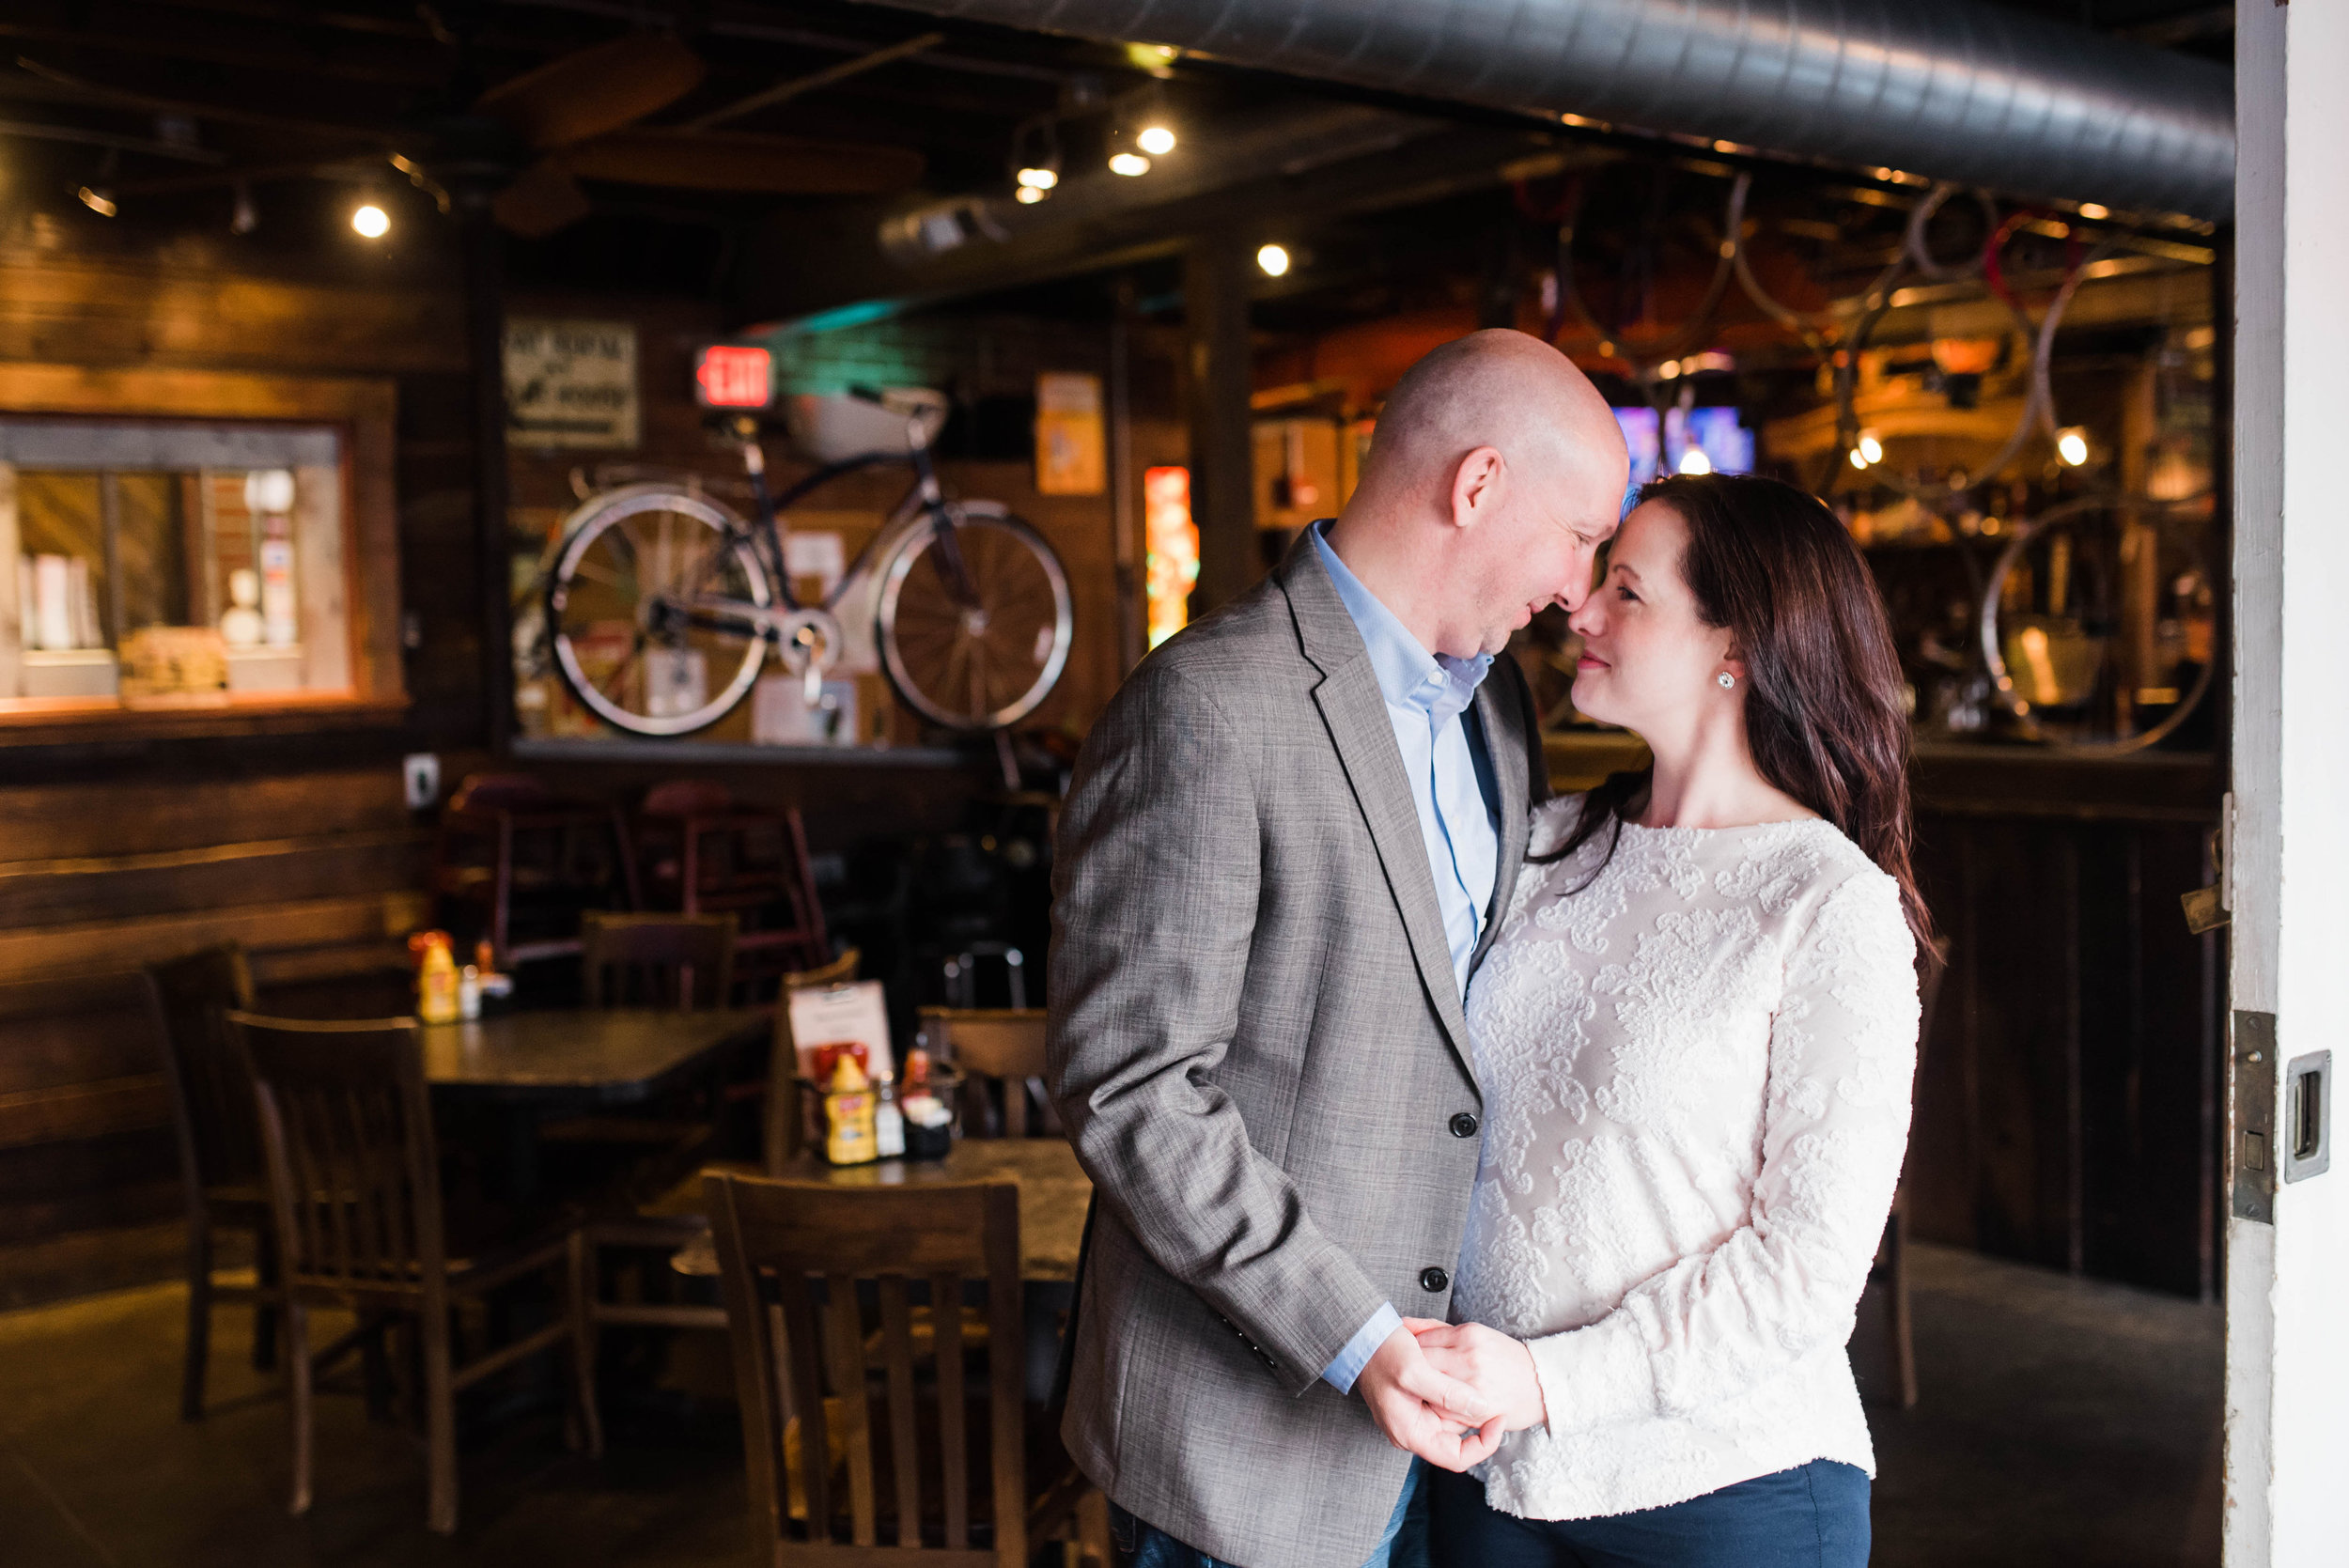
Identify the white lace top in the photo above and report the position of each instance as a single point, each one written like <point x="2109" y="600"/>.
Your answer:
<point x="1696" y="1076"/>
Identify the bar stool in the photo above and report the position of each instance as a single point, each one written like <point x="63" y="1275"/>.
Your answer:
<point x="705" y="853"/>
<point x="506" y="834"/>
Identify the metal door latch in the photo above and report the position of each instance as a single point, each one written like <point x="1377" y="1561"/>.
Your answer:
<point x="2252" y="1159"/>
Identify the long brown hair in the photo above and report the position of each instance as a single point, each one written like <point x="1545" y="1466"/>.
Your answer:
<point x="1823" y="685"/>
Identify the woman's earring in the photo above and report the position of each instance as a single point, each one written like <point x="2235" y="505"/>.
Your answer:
<point x="1726" y="679"/>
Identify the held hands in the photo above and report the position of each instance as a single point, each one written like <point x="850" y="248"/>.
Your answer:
<point x="1438" y="1416"/>
<point x="1496" y="1368"/>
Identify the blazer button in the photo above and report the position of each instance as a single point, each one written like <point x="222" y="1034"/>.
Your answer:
<point x="1462" y="1124"/>
<point x="1434" y="1281"/>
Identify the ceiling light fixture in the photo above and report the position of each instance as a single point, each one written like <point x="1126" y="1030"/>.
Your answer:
<point x="1156" y="140"/>
<point x="1693" y="460"/>
<point x="1274" y="259"/>
<point x="371" y="221"/>
<point x="1129" y="164"/>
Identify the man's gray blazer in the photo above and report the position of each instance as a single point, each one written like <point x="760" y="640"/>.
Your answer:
<point x="1258" y="1047"/>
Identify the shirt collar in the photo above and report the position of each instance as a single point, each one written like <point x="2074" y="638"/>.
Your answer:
<point x="1438" y="685"/>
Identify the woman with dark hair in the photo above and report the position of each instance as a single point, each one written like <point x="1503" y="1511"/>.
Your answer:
<point x="1695" y="1033"/>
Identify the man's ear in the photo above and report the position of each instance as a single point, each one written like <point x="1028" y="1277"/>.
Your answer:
<point x="1477" y="485"/>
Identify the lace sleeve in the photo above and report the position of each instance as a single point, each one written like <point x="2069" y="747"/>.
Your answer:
<point x="1843" y="1045"/>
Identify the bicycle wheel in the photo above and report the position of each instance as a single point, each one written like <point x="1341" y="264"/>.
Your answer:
<point x="652" y="610"/>
<point x="982" y="659"/>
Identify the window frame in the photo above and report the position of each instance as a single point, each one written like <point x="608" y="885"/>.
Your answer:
<point x="363" y="412"/>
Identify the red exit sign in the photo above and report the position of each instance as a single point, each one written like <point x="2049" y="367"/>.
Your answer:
<point x="732" y="376"/>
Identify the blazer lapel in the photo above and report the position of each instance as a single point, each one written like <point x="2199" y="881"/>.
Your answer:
<point x="1508" y="749"/>
<point x="1356" y="712"/>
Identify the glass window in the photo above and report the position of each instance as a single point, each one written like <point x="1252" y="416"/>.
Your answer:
<point x="172" y="564"/>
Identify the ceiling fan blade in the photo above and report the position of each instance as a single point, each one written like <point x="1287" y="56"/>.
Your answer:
<point x="540" y="200"/>
<point x="736" y="161"/>
<point x="593" y="91"/>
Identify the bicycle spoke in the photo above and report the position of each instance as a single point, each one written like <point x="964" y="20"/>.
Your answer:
<point x="597" y="574"/>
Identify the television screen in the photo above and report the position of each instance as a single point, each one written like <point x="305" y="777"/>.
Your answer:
<point x="1662" y="446"/>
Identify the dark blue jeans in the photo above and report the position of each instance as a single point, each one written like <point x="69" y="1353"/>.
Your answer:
<point x="1813" y="1516"/>
<point x="1142" y="1544"/>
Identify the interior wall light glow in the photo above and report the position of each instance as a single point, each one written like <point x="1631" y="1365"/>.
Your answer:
<point x="1274" y="259"/>
<point x="371" y="221"/>
<point x="2071" y="446"/>
<point x="1156" y="140"/>
<point x="1129" y="164"/>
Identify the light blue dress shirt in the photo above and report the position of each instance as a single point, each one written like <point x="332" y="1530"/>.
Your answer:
<point x="1426" y="693"/>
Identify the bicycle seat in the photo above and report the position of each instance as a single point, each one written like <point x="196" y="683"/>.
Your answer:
<point x="834" y="427"/>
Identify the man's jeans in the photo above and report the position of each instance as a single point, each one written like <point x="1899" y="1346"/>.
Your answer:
<point x="1142" y="1545"/>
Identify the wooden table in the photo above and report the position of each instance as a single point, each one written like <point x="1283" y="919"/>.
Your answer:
<point x="582" y="1055"/>
<point x="1055" y="1193"/>
<point x="524" y="1066"/>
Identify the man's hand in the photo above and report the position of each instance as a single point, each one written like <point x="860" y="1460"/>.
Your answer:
<point x="1440" y="1418"/>
<point x="1498" y="1368"/>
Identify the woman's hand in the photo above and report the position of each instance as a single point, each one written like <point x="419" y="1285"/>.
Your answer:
<point x="1489" y="1361"/>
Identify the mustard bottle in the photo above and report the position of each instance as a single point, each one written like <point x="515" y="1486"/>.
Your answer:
<point x="436" y="979"/>
<point x="848" y="1116"/>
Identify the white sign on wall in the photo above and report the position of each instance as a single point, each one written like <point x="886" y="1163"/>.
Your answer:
<point x="570" y="383"/>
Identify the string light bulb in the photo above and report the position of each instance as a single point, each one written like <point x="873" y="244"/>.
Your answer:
<point x="1869" y="451"/>
<point x="1038" y="177"/>
<point x="1693" y="460"/>
<point x="1156" y="140"/>
<point x="1028" y="195"/>
<point x="1129" y="164"/>
<point x="371" y="221"/>
<point x="1273" y="259"/>
<point x="2071" y="446"/>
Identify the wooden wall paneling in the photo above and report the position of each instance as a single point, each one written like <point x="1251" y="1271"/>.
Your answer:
<point x="123" y="886"/>
<point x="310" y="922"/>
<point x="152" y="812"/>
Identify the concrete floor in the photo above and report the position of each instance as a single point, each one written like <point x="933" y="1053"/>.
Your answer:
<point x="2061" y="1422"/>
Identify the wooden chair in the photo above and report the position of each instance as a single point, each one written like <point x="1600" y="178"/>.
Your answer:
<point x="955" y="1476"/>
<point x="346" y="1127"/>
<point x="657" y="960"/>
<point x="509" y="845"/>
<point x="223" y="1178"/>
<point x="677" y="1218"/>
<point x="703" y="852"/>
<point x="1890" y="1267"/>
<point x="1001" y="1053"/>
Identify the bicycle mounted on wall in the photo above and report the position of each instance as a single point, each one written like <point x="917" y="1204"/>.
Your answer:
<point x="663" y="602"/>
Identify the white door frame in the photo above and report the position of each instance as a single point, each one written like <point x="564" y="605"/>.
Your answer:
<point x="2287" y="871"/>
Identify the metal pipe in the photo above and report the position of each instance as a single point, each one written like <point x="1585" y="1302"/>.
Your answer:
<point x="1959" y="90"/>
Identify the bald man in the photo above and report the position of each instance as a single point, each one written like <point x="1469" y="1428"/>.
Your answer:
<point x="1284" y="850"/>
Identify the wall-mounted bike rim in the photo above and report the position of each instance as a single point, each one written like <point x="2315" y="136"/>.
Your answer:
<point x="1993" y="656"/>
<point x="1063" y="629"/>
<point x="615" y="507"/>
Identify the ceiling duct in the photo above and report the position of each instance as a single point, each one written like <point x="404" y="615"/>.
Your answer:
<point x="1956" y="90"/>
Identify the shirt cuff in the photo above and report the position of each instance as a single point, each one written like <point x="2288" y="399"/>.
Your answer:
<point x="1340" y="1372"/>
